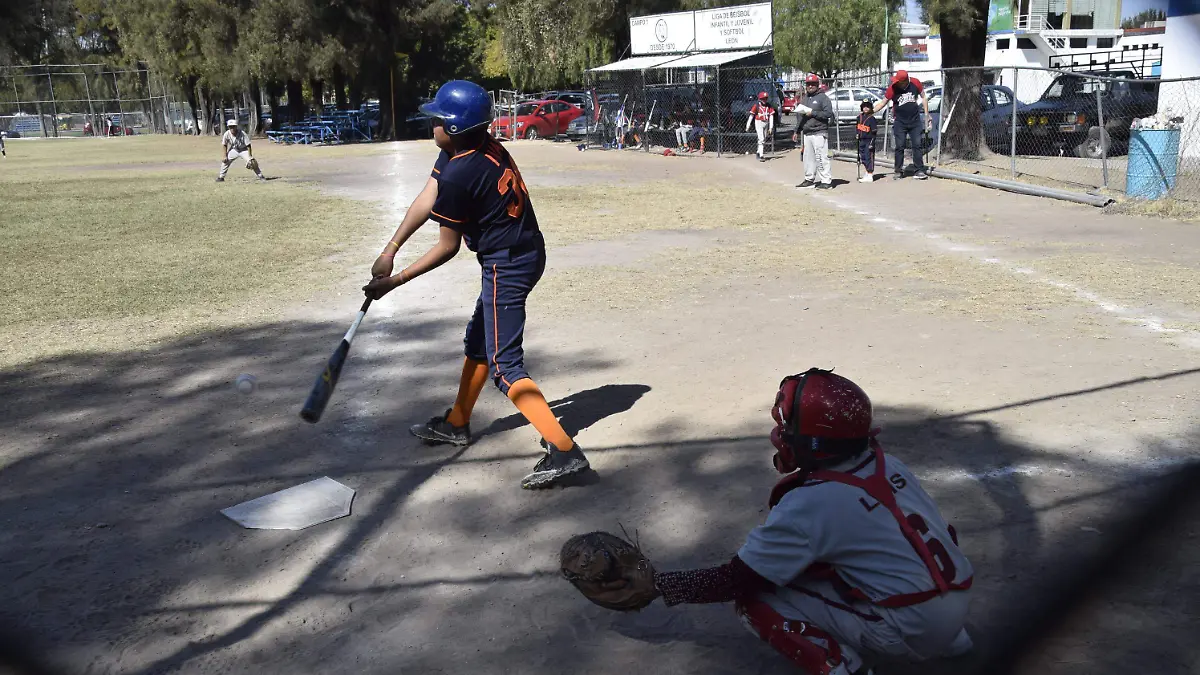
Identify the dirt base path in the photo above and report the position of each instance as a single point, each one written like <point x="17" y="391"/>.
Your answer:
<point x="679" y="292"/>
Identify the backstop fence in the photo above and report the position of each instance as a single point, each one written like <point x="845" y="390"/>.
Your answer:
<point x="52" y="101"/>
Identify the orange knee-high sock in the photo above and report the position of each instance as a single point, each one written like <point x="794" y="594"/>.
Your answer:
<point x="529" y="400"/>
<point x="474" y="377"/>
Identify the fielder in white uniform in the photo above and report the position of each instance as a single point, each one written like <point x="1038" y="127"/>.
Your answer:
<point x="763" y="116"/>
<point x="235" y="145"/>
<point x="3" y="135"/>
<point x="854" y="560"/>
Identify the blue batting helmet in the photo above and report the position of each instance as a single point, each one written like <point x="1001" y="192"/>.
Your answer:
<point x="461" y="105"/>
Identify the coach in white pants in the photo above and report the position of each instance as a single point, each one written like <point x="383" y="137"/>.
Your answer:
<point x="816" y="112"/>
<point x="236" y="145"/>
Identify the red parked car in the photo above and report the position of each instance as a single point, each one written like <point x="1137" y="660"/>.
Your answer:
<point x="537" y="119"/>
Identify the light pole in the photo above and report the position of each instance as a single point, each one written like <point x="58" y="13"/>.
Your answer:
<point x="883" y="49"/>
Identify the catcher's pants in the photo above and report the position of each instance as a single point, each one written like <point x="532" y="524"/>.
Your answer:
<point x="929" y="630"/>
<point x="761" y="127"/>
<point x="497" y="329"/>
<point x="681" y="135"/>
<point x="233" y="156"/>
<point x="816" y="159"/>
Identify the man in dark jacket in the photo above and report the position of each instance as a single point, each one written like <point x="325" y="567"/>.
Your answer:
<point x="908" y="98"/>
<point x="816" y="112"/>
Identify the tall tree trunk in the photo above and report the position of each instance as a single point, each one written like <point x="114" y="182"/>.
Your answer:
<point x="254" y="103"/>
<point x="274" y="92"/>
<point x="964" y="47"/>
<point x="356" y="91"/>
<point x="190" y="90"/>
<point x="318" y="91"/>
<point x="339" y="88"/>
<point x="237" y="107"/>
<point x="386" y="105"/>
<point x="295" y="96"/>
<point x="205" y="113"/>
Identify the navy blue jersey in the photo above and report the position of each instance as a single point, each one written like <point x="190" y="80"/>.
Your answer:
<point x="867" y="126"/>
<point x="482" y="195"/>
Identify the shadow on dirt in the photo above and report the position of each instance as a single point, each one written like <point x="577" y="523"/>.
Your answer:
<point x="115" y="558"/>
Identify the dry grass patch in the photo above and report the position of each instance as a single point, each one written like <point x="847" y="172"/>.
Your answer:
<point x="95" y="260"/>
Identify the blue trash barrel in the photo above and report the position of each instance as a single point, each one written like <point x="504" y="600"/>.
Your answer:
<point x="1153" y="162"/>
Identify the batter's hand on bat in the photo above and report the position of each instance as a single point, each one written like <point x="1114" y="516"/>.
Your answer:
<point x="382" y="267"/>
<point x="382" y="286"/>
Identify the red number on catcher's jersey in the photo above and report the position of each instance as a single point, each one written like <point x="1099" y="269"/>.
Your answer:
<point x="936" y="549"/>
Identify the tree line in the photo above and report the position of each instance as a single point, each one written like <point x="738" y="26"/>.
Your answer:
<point x="225" y="53"/>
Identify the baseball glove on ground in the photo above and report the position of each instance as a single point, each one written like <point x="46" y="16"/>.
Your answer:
<point x="609" y="571"/>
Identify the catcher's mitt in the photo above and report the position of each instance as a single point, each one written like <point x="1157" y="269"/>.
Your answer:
<point x="609" y="571"/>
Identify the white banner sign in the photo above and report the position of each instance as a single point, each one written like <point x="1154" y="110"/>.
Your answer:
<point x="744" y="27"/>
<point x="663" y="33"/>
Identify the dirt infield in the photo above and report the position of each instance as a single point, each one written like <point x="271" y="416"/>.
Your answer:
<point x="1036" y="363"/>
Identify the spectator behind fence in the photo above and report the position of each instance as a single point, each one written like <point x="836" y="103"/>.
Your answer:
<point x="698" y="135"/>
<point x="906" y="118"/>
<point x="683" y="127"/>
<point x="865" y="130"/>
<point x="815" y="114"/>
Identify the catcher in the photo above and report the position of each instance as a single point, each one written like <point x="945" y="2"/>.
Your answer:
<point x="853" y="563"/>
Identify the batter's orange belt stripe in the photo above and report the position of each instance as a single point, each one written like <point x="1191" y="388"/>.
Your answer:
<point x="496" y="326"/>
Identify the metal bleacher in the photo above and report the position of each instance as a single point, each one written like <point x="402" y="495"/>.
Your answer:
<point x="331" y="126"/>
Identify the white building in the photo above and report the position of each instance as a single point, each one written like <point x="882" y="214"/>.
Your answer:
<point x="1078" y="35"/>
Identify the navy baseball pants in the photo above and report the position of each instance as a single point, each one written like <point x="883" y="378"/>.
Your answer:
<point x="866" y="153"/>
<point x="910" y="131"/>
<point x="497" y="329"/>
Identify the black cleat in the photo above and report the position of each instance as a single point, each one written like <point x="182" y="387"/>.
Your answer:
<point x="824" y="186"/>
<point x="806" y="184"/>
<point x="438" y="431"/>
<point x="555" y="466"/>
<point x="220" y="180"/>
<point x="921" y="174"/>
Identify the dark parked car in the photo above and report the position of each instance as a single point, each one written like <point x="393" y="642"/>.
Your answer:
<point x="1067" y="116"/>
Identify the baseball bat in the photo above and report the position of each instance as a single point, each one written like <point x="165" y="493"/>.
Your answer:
<point x="323" y="388"/>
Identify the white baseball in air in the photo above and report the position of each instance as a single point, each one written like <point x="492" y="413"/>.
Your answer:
<point x="246" y="383"/>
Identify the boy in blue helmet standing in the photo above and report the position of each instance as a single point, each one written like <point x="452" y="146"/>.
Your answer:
<point x="476" y="194"/>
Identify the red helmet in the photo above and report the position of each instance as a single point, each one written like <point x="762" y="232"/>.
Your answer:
<point x="819" y="416"/>
<point x="762" y="95"/>
<point x="812" y="78"/>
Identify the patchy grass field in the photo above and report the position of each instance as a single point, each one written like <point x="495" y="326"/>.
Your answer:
<point x="144" y="250"/>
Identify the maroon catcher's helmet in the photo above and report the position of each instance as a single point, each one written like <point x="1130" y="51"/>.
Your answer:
<point x="819" y="416"/>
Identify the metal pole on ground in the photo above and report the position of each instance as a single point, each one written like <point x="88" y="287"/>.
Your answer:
<point x="1102" y="139"/>
<point x="1012" y="145"/>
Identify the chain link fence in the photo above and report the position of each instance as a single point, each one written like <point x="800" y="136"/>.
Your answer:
<point x="1108" y="132"/>
<point x="1097" y="132"/>
<point x="52" y="101"/>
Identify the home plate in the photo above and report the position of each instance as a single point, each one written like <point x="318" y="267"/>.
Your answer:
<point x="312" y="503"/>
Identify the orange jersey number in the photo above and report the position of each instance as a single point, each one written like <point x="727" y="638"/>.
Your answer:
<point x="512" y="182"/>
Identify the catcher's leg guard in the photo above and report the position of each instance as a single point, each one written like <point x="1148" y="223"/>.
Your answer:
<point x="797" y="640"/>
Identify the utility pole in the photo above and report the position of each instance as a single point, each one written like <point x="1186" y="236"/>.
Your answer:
<point x="883" y="50"/>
